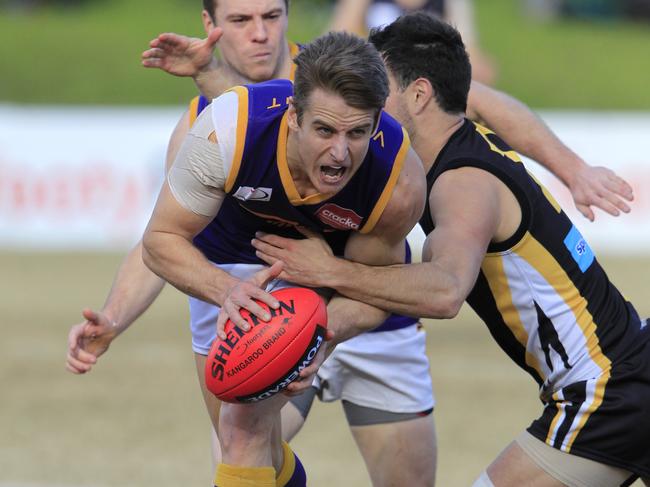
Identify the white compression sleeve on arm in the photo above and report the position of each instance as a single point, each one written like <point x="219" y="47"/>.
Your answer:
<point x="197" y="177"/>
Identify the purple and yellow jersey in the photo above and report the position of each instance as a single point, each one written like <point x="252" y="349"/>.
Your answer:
<point x="338" y="239"/>
<point x="261" y="194"/>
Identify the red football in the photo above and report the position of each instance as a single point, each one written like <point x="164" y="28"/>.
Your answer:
<point x="254" y="365"/>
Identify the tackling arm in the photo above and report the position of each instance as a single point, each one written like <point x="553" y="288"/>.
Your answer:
<point x="466" y="208"/>
<point x="384" y="245"/>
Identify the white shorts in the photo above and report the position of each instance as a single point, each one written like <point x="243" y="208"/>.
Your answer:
<point x="386" y="370"/>
<point x="203" y="316"/>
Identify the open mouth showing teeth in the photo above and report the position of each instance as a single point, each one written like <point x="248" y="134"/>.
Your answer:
<point x="332" y="174"/>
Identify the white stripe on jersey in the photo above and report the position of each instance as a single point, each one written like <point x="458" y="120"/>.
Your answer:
<point x="558" y="419"/>
<point x="526" y="282"/>
<point x="225" y="109"/>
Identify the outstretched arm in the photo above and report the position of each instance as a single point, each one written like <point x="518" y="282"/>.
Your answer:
<point x="526" y="133"/>
<point x="134" y="289"/>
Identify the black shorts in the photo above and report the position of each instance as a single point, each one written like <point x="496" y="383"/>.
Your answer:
<point x="604" y="419"/>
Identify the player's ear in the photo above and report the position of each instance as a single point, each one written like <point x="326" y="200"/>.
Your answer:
<point x="421" y="93"/>
<point x="292" y="115"/>
<point x="208" y="22"/>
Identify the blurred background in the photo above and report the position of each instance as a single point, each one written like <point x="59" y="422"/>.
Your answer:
<point x="83" y="132"/>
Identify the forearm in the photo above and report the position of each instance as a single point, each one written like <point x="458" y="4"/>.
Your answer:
<point x="134" y="289"/>
<point x="423" y="290"/>
<point x="348" y="318"/>
<point x="523" y="130"/>
<point x="178" y="262"/>
<point x="212" y="80"/>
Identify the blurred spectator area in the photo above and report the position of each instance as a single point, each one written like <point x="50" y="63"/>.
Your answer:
<point x="30" y="5"/>
<point x="590" y="9"/>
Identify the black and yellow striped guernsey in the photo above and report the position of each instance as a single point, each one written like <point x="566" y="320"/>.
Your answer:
<point x="542" y="293"/>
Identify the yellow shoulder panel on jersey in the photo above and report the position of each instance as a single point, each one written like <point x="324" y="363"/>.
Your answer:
<point x="194" y="106"/>
<point x="242" y="127"/>
<point x="390" y="184"/>
<point x="512" y="155"/>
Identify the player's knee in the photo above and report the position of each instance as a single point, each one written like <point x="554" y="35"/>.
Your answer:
<point x="237" y="434"/>
<point x="483" y="480"/>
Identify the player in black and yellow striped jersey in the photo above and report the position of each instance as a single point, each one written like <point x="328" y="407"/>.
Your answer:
<point x="497" y="239"/>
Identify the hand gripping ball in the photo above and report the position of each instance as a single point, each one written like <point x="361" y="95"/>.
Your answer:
<point x="251" y="366"/>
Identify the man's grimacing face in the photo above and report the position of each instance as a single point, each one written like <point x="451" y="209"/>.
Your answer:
<point x="332" y="140"/>
<point x="254" y="36"/>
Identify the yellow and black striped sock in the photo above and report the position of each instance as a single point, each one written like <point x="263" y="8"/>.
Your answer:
<point x="288" y="465"/>
<point x="292" y="473"/>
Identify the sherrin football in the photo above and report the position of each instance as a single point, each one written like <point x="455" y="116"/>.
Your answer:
<point x="251" y="366"/>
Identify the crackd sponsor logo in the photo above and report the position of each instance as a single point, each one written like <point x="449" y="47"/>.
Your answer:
<point x="249" y="347"/>
<point x="337" y="217"/>
<point x="293" y="373"/>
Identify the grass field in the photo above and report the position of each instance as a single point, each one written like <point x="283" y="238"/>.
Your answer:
<point x="91" y="55"/>
<point x="138" y="418"/>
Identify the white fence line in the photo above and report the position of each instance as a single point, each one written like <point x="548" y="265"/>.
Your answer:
<point x="86" y="178"/>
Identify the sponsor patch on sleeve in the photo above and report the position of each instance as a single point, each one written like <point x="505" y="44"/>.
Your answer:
<point x="579" y="249"/>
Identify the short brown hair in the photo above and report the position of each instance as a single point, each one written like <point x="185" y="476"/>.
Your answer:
<point x="341" y="63"/>
<point x="211" y="6"/>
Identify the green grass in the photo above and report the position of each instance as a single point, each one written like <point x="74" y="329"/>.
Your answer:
<point x="567" y="63"/>
<point x="91" y="55"/>
<point x="138" y="418"/>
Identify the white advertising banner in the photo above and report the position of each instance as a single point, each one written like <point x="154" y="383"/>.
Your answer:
<point x="79" y="178"/>
<point x="87" y="178"/>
